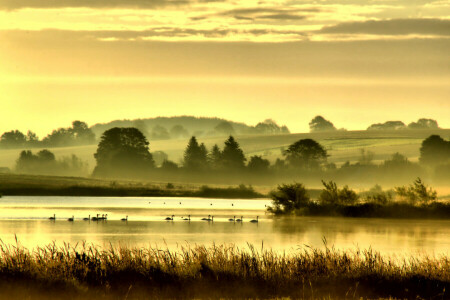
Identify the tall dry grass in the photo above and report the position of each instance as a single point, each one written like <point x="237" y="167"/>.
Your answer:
<point x="221" y="271"/>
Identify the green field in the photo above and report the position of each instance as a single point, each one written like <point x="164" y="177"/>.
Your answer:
<point x="342" y="145"/>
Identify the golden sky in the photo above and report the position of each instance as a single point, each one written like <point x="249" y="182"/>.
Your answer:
<point x="356" y="62"/>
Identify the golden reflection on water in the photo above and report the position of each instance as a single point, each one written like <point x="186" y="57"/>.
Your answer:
<point x="28" y="220"/>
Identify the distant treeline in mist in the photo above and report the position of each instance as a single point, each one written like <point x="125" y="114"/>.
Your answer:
<point x="319" y="123"/>
<point x="123" y="152"/>
<point x="78" y="134"/>
<point x="164" y="128"/>
<point x="160" y="128"/>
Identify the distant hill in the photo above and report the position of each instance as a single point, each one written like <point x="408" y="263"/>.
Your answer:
<point x="161" y="128"/>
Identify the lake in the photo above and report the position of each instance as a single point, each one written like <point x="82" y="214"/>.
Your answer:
<point x="27" y="218"/>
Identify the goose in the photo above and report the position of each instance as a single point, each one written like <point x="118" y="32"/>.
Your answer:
<point x="70" y="219"/>
<point x="188" y="218"/>
<point x="169" y="218"/>
<point x="124" y="219"/>
<point x="53" y="218"/>
<point x="255" y="221"/>
<point x="240" y="220"/>
<point x="87" y="219"/>
<point x="206" y="219"/>
<point x="232" y="220"/>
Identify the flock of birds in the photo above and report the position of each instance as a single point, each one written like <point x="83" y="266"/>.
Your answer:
<point x="104" y="217"/>
<point x="210" y="218"/>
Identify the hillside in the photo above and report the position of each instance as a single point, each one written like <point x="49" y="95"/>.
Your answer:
<point x="342" y="146"/>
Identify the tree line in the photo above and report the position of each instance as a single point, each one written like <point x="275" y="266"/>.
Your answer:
<point x="78" y="134"/>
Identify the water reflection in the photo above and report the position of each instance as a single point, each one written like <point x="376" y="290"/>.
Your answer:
<point x="27" y="217"/>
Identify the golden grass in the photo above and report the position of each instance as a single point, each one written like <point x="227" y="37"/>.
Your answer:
<point x="220" y="271"/>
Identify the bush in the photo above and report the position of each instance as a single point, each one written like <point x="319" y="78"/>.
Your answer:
<point x="417" y="193"/>
<point x="335" y="196"/>
<point x="289" y="197"/>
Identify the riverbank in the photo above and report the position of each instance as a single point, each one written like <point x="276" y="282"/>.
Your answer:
<point x="36" y="185"/>
<point x="223" y="271"/>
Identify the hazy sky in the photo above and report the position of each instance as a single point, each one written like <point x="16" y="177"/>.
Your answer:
<point x="355" y="62"/>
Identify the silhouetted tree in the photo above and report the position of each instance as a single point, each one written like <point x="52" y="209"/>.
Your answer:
<point x="82" y="134"/>
<point x="195" y="156"/>
<point x="289" y="197"/>
<point x="424" y="124"/>
<point x="121" y="152"/>
<point x="257" y="164"/>
<point x="306" y="153"/>
<point x="224" y="128"/>
<point x="78" y="134"/>
<point x="434" y="150"/>
<point x="320" y="124"/>
<point x="13" y="139"/>
<point x="32" y="139"/>
<point x="233" y="157"/>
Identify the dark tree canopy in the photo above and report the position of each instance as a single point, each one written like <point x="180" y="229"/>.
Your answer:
<point x="320" y="124"/>
<point x="233" y="157"/>
<point x="13" y="139"/>
<point x="435" y="150"/>
<point x="306" y="153"/>
<point x="78" y="134"/>
<point x="269" y="126"/>
<point x="195" y="156"/>
<point x="257" y="164"/>
<point x="424" y="124"/>
<point x="123" y="151"/>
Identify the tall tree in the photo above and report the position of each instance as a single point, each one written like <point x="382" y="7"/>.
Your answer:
<point x="233" y="157"/>
<point x="123" y="152"/>
<point x="306" y="153"/>
<point x="215" y="157"/>
<point x="195" y="156"/>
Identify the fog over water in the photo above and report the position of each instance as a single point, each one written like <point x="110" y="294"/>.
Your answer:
<point x="27" y="218"/>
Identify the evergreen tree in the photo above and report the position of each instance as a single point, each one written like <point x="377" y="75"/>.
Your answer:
<point x="195" y="156"/>
<point x="232" y="156"/>
<point x="215" y="157"/>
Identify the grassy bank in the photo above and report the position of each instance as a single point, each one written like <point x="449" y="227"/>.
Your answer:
<point x="87" y="272"/>
<point x="36" y="185"/>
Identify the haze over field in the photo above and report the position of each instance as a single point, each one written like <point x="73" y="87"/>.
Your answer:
<point x="355" y="62"/>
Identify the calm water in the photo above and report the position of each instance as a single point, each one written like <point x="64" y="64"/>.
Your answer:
<point x="27" y="217"/>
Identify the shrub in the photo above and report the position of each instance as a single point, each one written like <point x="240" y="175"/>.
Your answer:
<point x="417" y="193"/>
<point x="335" y="196"/>
<point x="289" y="197"/>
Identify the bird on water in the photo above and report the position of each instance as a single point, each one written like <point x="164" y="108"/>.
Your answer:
<point x="255" y="221"/>
<point x="169" y="218"/>
<point x="124" y="219"/>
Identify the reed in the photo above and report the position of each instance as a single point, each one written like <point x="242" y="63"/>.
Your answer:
<point x="86" y="271"/>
